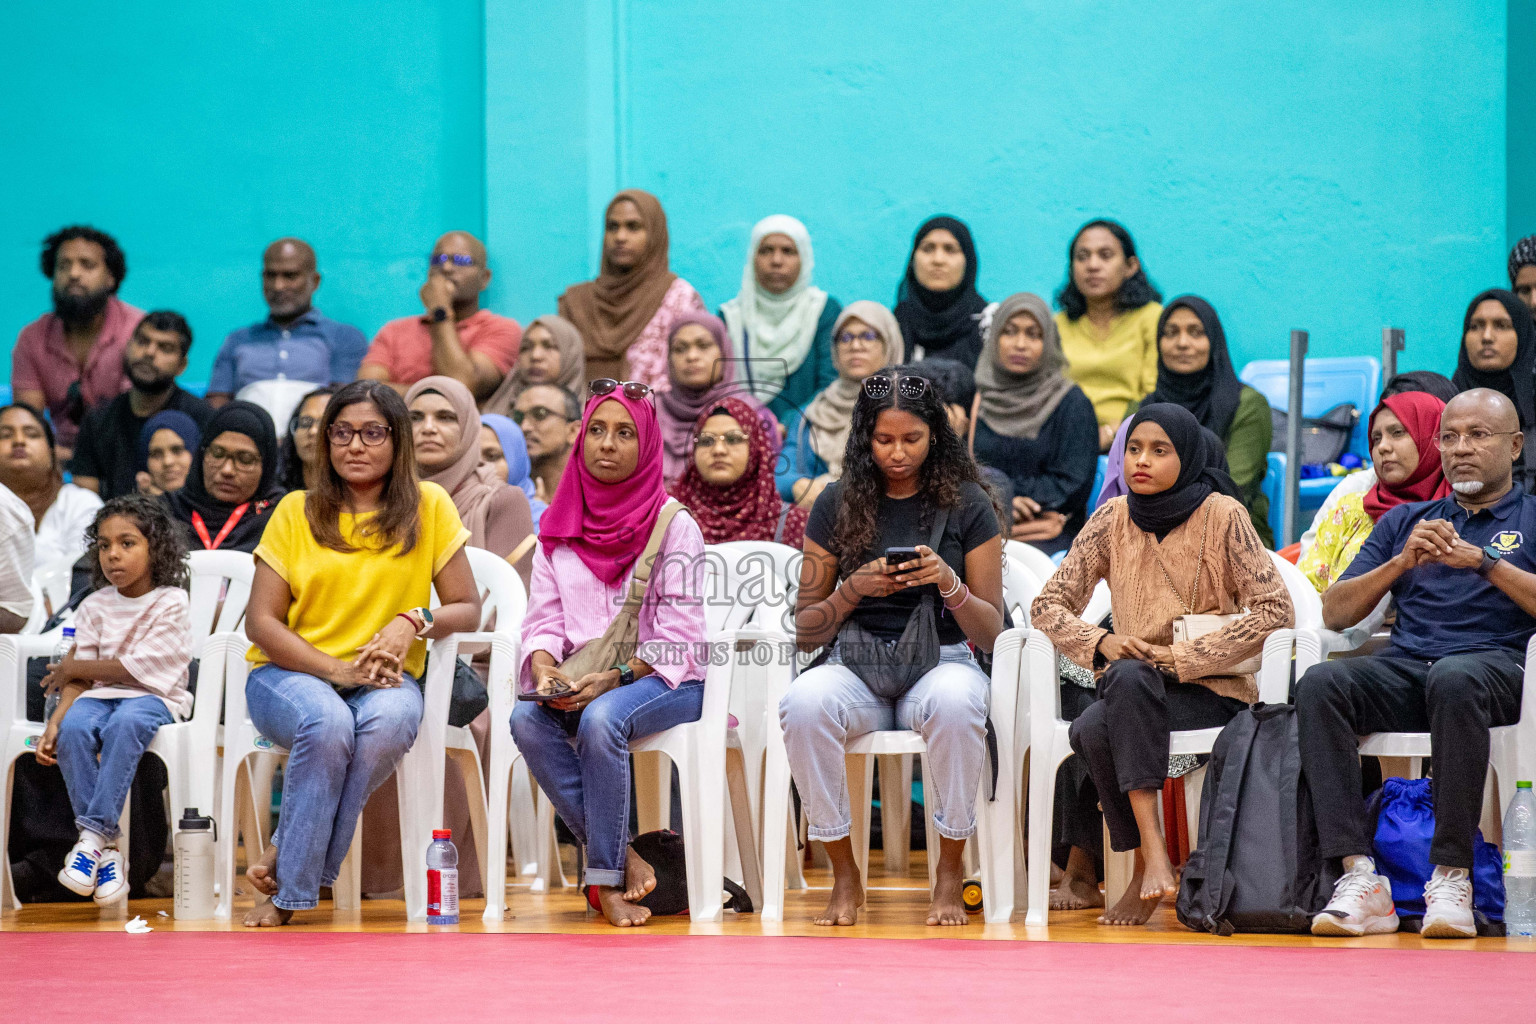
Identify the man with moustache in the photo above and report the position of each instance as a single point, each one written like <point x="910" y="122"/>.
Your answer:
<point x="106" y="455"/>
<point x="296" y="341"/>
<point x="72" y="359"/>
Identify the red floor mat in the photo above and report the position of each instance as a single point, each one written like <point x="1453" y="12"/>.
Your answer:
<point x="336" y="978"/>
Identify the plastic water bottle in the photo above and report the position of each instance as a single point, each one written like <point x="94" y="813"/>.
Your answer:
<point x="1520" y="864"/>
<point x="442" y="878"/>
<point x="65" y="645"/>
<point x="194" y="889"/>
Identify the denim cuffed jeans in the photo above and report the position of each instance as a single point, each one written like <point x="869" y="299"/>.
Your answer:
<point x="119" y="728"/>
<point x="828" y="706"/>
<point x="342" y="745"/>
<point x="586" y="775"/>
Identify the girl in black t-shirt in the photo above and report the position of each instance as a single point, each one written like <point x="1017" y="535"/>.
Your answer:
<point x="903" y="464"/>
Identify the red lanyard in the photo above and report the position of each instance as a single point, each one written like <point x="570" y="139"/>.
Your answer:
<point x="229" y="524"/>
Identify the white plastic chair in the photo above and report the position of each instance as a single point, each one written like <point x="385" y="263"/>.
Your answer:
<point x="279" y="396"/>
<point x="1049" y="744"/>
<point x="1031" y="557"/>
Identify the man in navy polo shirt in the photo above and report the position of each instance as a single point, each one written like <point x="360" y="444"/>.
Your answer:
<point x="1462" y="574"/>
<point x="296" y="341"/>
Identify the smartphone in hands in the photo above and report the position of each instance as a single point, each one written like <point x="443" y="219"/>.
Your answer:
<point x="895" y="557"/>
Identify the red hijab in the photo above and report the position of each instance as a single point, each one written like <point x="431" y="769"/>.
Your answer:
<point x="1420" y="415"/>
<point x="606" y="524"/>
<point x="748" y="509"/>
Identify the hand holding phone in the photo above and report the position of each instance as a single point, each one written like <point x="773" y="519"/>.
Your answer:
<point x="897" y="557"/>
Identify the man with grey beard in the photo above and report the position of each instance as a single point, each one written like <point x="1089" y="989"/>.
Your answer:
<point x="1462" y="573"/>
<point x="71" y="359"/>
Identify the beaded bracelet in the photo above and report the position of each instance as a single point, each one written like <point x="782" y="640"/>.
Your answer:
<point x="961" y="603"/>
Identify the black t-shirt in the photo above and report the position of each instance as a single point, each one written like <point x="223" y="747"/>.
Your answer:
<point x="908" y="522"/>
<point x="108" y="445"/>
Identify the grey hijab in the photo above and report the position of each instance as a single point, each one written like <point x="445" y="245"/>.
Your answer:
<point x="1018" y="404"/>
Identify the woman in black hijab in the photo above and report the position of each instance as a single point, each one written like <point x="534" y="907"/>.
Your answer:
<point x="1194" y="370"/>
<point x="231" y="490"/>
<point x="1498" y="351"/>
<point x="937" y="305"/>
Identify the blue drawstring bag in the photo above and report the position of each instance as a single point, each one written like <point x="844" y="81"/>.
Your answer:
<point x="1404" y="812"/>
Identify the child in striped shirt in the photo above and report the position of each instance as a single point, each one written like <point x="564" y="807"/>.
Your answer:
<point x="124" y="679"/>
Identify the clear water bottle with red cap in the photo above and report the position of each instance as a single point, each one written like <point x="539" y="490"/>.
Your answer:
<point x="442" y="878"/>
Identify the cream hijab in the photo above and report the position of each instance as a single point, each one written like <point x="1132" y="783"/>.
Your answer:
<point x="830" y="413"/>
<point x="469" y="484"/>
<point x="779" y="328"/>
<point x="573" y="365"/>
<point x="1018" y="404"/>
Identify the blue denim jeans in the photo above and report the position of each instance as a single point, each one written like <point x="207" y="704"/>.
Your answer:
<point x="118" y="729"/>
<point x="342" y="745"/>
<point x="586" y="776"/>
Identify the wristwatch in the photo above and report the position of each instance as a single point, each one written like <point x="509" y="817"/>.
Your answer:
<point x="425" y="615"/>
<point x="439" y="315"/>
<point x="1491" y="557"/>
<point x="626" y="674"/>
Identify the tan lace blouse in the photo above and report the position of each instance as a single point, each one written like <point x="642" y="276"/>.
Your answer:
<point x="1235" y="574"/>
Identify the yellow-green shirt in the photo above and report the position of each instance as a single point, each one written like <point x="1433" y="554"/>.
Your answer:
<point x="1117" y="369"/>
<point x="342" y="598"/>
<point x="1339" y="538"/>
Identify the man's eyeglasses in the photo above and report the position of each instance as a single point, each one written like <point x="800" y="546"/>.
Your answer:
<point x="458" y="259"/>
<point x="373" y="434"/>
<point x="870" y="338"/>
<point x="538" y="414"/>
<point x="217" y="455"/>
<point x="879" y="387"/>
<point x="633" y="389"/>
<point x="1478" y="439"/>
<point x="735" y="439"/>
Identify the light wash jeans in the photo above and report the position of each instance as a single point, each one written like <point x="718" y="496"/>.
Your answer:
<point x="119" y="729"/>
<point x="342" y="745"/>
<point x="586" y="776"/>
<point x="828" y="706"/>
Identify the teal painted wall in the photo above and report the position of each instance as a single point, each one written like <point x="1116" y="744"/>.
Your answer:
<point x="1338" y="167"/>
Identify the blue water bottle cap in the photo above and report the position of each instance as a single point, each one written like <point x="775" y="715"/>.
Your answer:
<point x="69" y="632"/>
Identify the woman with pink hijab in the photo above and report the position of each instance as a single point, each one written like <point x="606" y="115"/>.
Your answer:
<point x="591" y="536"/>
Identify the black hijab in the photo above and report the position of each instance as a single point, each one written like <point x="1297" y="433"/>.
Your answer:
<point x="1513" y="382"/>
<point x="254" y="422"/>
<point x="1202" y="471"/>
<point x="1212" y="393"/>
<point x="945" y="324"/>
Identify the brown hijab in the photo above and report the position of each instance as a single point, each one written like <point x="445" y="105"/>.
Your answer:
<point x="470" y="485"/>
<point x="612" y="310"/>
<point x="573" y="368"/>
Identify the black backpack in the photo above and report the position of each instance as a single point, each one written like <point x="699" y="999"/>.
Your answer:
<point x="663" y="851"/>
<point x="1258" y="866"/>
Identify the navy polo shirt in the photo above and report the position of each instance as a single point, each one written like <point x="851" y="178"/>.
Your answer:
<point x="1443" y="611"/>
<point x="314" y="348"/>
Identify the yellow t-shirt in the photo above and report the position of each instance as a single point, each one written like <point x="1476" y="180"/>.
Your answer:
<point x="1113" y="370"/>
<point x="341" y="599"/>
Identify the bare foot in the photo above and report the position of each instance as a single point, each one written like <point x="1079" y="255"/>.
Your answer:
<point x="843" y="907"/>
<point x="1149" y="884"/>
<point x="620" y="912"/>
<point x="639" y="877"/>
<point x="266" y="914"/>
<point x="1076" y="893"/>
<point x="1056" y="875"/>
<point x="1158" y="880"/>
<point x="947" y="907"/>
<point x="263" y="874"/>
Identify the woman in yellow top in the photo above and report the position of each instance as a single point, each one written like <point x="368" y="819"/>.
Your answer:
<point x="1406" y="457"/>
<point x="337" y="616"/>
<point x="1108" y="323"/>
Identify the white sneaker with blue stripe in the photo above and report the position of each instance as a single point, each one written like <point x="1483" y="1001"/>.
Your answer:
<point x="79" y="873"/>
<point x="111" y="879"/>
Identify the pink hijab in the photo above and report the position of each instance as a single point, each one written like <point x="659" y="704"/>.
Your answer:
<point x="607" y="525"/>
<point x="470" y="485"/>
<point x="678" y="409"/>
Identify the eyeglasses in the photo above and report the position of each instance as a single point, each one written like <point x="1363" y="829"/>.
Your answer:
<point x="538" y="414"/>
<point x="1477" y="440"/>
<point x="373" y="434"/>
<point x="863" y="337"/>
<point x="217" y="455"/>
<point x="306" y="423"/>
<point x="735" y="439"/>
<point x="878" y="387"/>
<point x="458" y="259"/>
<point x="633" y="389"/>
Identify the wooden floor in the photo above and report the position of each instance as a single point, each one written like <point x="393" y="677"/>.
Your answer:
<point x="895" y="911"/>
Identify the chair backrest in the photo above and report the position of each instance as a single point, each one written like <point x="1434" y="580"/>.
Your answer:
<point x="279" y="397"/>
<point x="1304" y="597"/>
<point x="39" y="615"/>
<point x="745" y="577"/>
<point x="1031" y="558"/>
<point x="1020" y="588"/>
<point x="221" y="588"/>
<point x="1328" y="382"/>
<point x="56" y="581"/>
<point x="503" y="601"/>
<point x="1098" y="482"/>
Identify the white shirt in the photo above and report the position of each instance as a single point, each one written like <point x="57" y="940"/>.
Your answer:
<point x="61" y="535"/>
<point x="16" y="554"/>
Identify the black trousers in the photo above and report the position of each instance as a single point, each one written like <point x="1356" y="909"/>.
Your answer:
<point x="1076" y="821"/>
<point x="1456" y="700"/>
<point x="1123" y="736"/>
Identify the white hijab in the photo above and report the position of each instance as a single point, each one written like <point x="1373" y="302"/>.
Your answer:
<point x="780" y="328"/>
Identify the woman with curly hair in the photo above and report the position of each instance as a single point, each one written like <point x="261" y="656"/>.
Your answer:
<point x="133" y="642"/>
<point x="906" y="476"/>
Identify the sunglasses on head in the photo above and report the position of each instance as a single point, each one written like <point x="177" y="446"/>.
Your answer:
<point x="879" y="387"/>
<point x="633" y="389"/>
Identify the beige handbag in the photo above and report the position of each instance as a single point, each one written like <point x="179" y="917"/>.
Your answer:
<point x="619" y="640"/>
<point x="1191" y="626"/>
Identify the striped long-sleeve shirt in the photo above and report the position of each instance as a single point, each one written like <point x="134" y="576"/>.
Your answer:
<point x="150" y="635"/>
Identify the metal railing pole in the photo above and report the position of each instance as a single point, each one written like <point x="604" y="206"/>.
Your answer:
<point x="1294" y="413"/>
<point x="1393" y="341"/>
